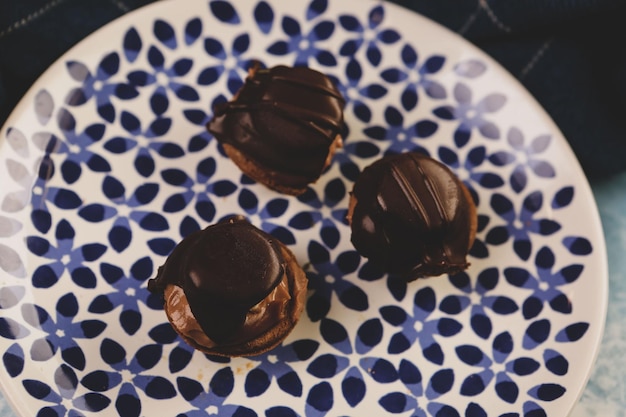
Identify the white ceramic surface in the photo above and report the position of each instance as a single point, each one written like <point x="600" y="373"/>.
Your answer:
<point x="105" y="165"/>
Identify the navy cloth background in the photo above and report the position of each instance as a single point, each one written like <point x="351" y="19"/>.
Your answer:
<point x="570" y="54"/>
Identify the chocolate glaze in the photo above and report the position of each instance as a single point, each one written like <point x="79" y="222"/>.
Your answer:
<point x="412" y="217"/>
<point x="224" y="270"/>
<point x="284" y="118"/>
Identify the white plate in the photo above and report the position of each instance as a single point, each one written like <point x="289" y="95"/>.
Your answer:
<point x="106" y="164"/>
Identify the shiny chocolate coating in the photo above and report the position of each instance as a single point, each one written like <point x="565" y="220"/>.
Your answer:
<point x="224" y="270"/>
<point x="283" y="118"/>
<point x="412" y="217"/>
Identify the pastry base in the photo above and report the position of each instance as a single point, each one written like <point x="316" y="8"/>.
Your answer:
<point x="271" y="338"/>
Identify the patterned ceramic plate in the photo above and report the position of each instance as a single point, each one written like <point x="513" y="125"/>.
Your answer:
<point x="106" y="165"/>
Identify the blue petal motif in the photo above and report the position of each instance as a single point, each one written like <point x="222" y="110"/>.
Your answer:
<point x="132" y="44"/>
<point x="472" y="355"/>
<point x="555" y="362"/>
<point x="536" y="333"/>
<point x="440" y="383"/>
<point x="353" y="387"/>
<point x="471" y="68"/>
<point x="547" y="392"/>
<point x="334" y="333"/>
<point x="350" y="23"/>
<point x="11" y="329"/>
<point x="193" y="30"/>
<point x="506" y="389"/>
<point x="563" y="197"/>
<point x="280" y="411"/>
<point x="13" y="359"/>
<point x="257" y="382"/>
<point x="128" y="403"/>
<point x="523" y="366"/>
<point x="320" y="399"/>
<point x="369" y="334"/>
<point x="381" y="370"/>
<point x="410" y="376"/>
<point x="224" y="12"/>
<point x="573" y="332"/>
<point x="578" y="245"/>
<point x="475" y="410"/>
<point x="279" y="48"/>
<point x="394" y="315"/>
<point x="316" y="8"/>
<point x="164" y="32"/>
<point x="109" y="66"/>
<point x="78" y="71"/>
<point x="327" y="366"/>
<point x="395" y="402"/>
<point x="158" y="387"/>
<point x="290" y="383"/>
<point x="324" y="30"/>
<point x="264" y="16"/>
<point x="475" y="384"/>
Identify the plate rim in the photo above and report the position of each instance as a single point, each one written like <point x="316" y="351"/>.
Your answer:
<point x="595" y="226"/>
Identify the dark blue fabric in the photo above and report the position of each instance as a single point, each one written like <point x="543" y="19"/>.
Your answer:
<point x="570" y="54"/>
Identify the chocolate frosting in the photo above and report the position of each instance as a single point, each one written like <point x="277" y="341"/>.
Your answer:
<point x="284" y="118"/>
<point x="412" y="216"/>
<point x="224" y="270"/>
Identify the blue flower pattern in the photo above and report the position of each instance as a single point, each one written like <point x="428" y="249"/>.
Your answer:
<point x="330" y="277"/>
<point x="199" y="189"/>
<point x="505" y="387"/>
<point x="520" y="224"/>
<point x="199" y="117"/>
<point x="61" y="334"/>
<point x="211" y="401"/>
<point x="65" y="257"/>
<point x="304" y="45"/>
<point x="357" y="94"/>
<point x="63" y="392"/>
<point x="545" y="284"/>
<point x="269" y="215"/>
<point x="416" y="76"/>
<point x="403" y="135"/>
<point x="326" y="210"/>
<point x="486" y="281"/>
<point x="124" y="209"/>
<point x="231" y="70"/>
<point x="129" y="292"/>
<point x="407" y="318"/>
<point x="418" y="325"/>
<point x="163" y="76"/>
<point x="471" y="114"/>
<point x="370" y="36"/>
<point x="474" y="166"/>
<point x="526" y="157"/>
<point x="276" y="365"/>
<point x="144" y="141"/>
<point x="75" y="147"/>
<point x="99" y="86"/>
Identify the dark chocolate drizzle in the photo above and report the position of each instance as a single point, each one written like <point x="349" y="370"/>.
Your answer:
<point x="224" y="270"/>
<point x="411" y="217"/>
<point x="284" y="118"/>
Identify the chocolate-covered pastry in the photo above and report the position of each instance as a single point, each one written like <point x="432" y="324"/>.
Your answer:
<point x="282" y="127"/>
<point x="231" y="289"/>
<point x="411" y="216"/>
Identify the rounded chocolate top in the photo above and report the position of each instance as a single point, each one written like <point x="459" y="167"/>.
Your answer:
<point x="224" y="270"/>
<point x="412" y="216"/>
<point x="284" y="118"/>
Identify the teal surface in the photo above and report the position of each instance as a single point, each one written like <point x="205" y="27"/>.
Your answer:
<point x="605" y="394"/>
